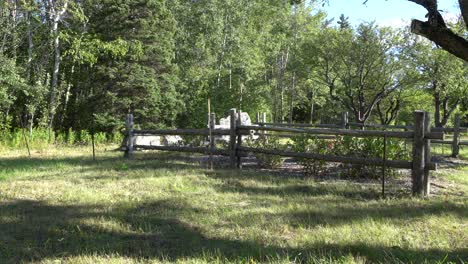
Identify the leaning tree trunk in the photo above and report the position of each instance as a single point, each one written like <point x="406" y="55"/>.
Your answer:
<point x="448" y="110"/>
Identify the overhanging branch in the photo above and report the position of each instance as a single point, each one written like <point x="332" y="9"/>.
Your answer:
<point x="464" y="10"/>
<point x="443" y="37"/>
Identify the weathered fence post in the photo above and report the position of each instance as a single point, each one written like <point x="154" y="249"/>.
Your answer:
<point x="427" y="155"/>
<point x="456" y="137"/>
<point x="258" y="118"/>
<point x="417" y="172"/>
<point x="129" y="131"/>
<point x="344" y="120"/>
<point x="212" y="139"/>
<point x="232" y="140"/>
<point x="239" y="139"/>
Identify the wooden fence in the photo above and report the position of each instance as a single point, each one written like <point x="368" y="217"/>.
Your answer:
<point x="456" y="141"/>
<point x="421" y="136"/>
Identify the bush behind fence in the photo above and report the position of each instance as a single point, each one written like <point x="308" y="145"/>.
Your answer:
<point x="40" y="138"/>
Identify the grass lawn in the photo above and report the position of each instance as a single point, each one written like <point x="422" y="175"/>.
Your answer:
<point x="60" y="206"/>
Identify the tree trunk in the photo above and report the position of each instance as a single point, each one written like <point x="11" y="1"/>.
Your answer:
<point x="312" y="104"/>
<point x="241" y="94"/>
<point x="283" y="66"/>
<point x="291" y="103"/>
<point x="14" y="12"/>
<point x="31" y="107"/>
<point x="448" y="110"/>
<point x="57" y="16"/>
<point x="464" y="10"/>
<point x="437" y="104"/>
<point x="67" y="95"/>
<point x="275" y="95"/>
<point x="30" y="47"/>
<point x="230" y="78"/>
<point x="221" y="54"/>
<point x="31" y="124"/>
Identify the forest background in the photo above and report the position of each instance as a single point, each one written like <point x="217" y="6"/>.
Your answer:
<point x="73" y="65"/>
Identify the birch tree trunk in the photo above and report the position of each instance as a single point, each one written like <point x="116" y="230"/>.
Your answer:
<point x="312" y="106"/>
<point x="14" y="15"/>
<point x="67" y="95"/>
<point x="31" y="107"/>
<point x="56" y="17"/>
<point x="291" y="103"/>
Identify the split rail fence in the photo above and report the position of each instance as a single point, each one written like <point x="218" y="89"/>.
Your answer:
<point x="420" y="134"/>
<point x="455" y="131"/>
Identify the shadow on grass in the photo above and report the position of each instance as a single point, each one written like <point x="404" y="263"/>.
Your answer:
<point x="34" y="231"/>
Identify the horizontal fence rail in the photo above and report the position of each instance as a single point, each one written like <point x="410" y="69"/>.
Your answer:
<point x="344" y="124"/>
<point x="354" y="124"/>
<point x="401" y="164"/>
<point x="282" y="135"/>
<point x="345" y="132"/>
<point x="176" y="132"/>
<point x="202" y="150"/>
<point x="297" y="125"/>
<point x="446" y="142"/>
<point x="450" y="129"/>
<point x="329" y="158"/>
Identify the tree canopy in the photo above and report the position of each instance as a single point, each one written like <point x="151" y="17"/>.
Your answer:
<point x="70" y="65"/>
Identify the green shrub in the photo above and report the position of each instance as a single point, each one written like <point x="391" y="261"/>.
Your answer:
<point x="352" y="147"/>
<point x="41" y="138"/>
<point x="15" y="139"/>
<point x="370" y="148"/>
<point x="71" y="137"/>
<point x="116" y="138"/>
<point x="84" y="137"/>
<point x="194" y="140"/>
<point x="268" y="143"/>
<point x="311" y="144"/>
<point x="100" y="138"/>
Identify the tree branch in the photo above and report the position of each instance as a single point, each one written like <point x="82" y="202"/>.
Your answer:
<point x="443" y="37"/>
<point x="464" y="10"/>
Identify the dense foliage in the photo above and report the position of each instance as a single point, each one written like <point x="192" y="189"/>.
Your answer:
<point x="83" y="65"/>
<point x="312" y="144"/>
<point x="268" y="143"/>
<point x="372" y="148"/>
